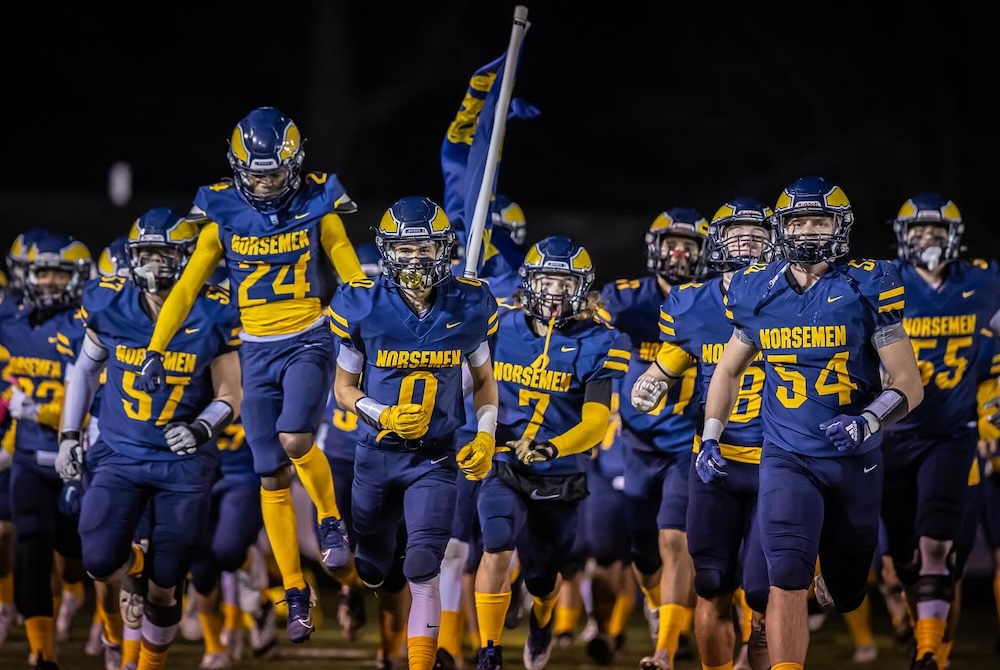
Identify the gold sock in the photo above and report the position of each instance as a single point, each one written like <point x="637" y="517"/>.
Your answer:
<point x="928" y="634"/>
<point x="515" y="571"/>
<point x="728" y="665"/>
<point x="687" y="628"/>
<point x="450" y="633"/>
<point x="279" y="521"/>
<point x="859" y="625"/>
<point x="786" y="666"/>
<point x="99" y="616"/>
<point x="475" y="640"/>
<point x="620" y="614"/>
<point x="491" y="610"/>
<point x="75" y="589"/>
<point x="151" y="660"/>
<point x="543" y="608"/>
<point x="232" y="617"/>
<point x="130" y="652"/>
<point x="7" y="589"/>
<point x="566" y="619"/>
<point x="314" y="473"/>
<point x="138" y="561"/>
<point x="746" y="615"/>
<point x="652" y="596"/>
<point x="944" y="652"/>
<point x="113" y="626"/>
<point x="420" y="652"/>
<point x="211" y="631"/>
<point x="40" y="633"/>
<point x="672" y="621"/>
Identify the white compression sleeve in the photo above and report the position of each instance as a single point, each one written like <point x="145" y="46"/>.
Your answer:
<point x="82" y="383"/>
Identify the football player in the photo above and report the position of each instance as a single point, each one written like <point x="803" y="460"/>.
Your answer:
<point x="156" y="450"/>
<point x="554" y="365"/>
<point x="279" y="231"/>
<point x="825" y="324"/>
<point x="404" y="337"/>
<point x="927" y="455"/>
<point x="32" y="345"/>
<point x="721" y="533"/>
<point x="658" y="443"/>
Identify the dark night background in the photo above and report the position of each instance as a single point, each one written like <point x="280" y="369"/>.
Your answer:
<point x="642" y="109"/>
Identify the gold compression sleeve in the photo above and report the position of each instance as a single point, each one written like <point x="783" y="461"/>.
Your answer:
<point x="176" y="307"/>
<point x="674" y="359"/>
<point x="339" y="249"/>
<point x="586" y="434"/>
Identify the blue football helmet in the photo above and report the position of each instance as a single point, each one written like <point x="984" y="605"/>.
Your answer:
<point x="113" y="260"/>
<point x="555" y="256"/>
<point x="160" y="232"/>
<point x="415" y="221"/>
<point x="267" y="143"/>
<point x="62" y="253"/>
<point x="17" y="258"/>
<point x="676" y="265"/>
<point x="817" y="197"/>
<point x="942" y="240"/>
<point x="508" y="217"/>
<point x="727" y="253"/>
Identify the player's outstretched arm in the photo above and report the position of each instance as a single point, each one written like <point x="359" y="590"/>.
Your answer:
<point x="204" y="261"/>
<point x="82" y="383"/>
<point x="670" y="364"/>
<point x="724" y="388"/>
<point x="339" y="249"/>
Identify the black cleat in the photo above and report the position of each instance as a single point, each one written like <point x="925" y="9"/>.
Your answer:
<point x="927" y="662"/>
<point x="444" y="660"/>
<point x="601" y="649"/>
<point x="490" y="657"/>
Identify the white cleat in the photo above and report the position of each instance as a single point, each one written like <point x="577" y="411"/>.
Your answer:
<point x="8" y="617"/>
<point x="67" y="610"/>
<point x="232" y="640"/>
<point x="865" y="653"/>
<point x="218" y="661"/>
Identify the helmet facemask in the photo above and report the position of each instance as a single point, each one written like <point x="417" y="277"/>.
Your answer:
<point x="156" y="267"/>
<point x="416" y="264"/>
<point x="672" y="256"/>
<point x="738" y="244"/>
<point x="554" y="296"/>
<point x="808" y="237"/>
<point x="52" y="284"/>
<point x="929" y="245"/>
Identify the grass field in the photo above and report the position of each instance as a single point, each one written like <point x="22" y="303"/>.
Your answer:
<point x="829" y="648"/>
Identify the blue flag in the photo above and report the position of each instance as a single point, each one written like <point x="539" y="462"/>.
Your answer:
<point x="466" y="147"/>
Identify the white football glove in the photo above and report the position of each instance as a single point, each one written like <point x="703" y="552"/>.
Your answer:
<point x="184" y="438"/>
<point x="69" y="460"/>
<point x="22" y="406"/>
<point x="646" y="392"/>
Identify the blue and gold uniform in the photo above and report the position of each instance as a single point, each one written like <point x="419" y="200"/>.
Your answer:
<point x="657" y="444"/>
<point x="543" y="388"/>
<point x="132" y="465"/>
<point x="721" y="528"/>
<point x="36" y="334"/>
<point x="823" y="366"/>
<point x="409" y="359"/>
<point x="928" y="454"/>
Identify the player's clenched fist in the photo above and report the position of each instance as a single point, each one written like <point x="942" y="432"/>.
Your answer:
<point x="408" y="420"/>
<point x="646" y="392"/>
<point x="476" y="457"/>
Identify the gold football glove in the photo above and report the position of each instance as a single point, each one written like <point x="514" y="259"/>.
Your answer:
<point x="528" y="451"/>
<point x="409" y="420"/>
<point x="476" y="457"/>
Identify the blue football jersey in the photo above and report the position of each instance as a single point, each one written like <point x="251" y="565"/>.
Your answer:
<point x="34" y="357"/>
<point x="542" y="380"/>
<point x="693" y="318"/>
<point x="277" y="257"/>
<point x="944" y="324"/>
<point x="633" y="307"/>
<point x="132" y="421"/>
<point x="409" y="359"/>
<point x="825" y="364"/>
<point x="235" y="456"/>
<point x="341" y="434"/>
